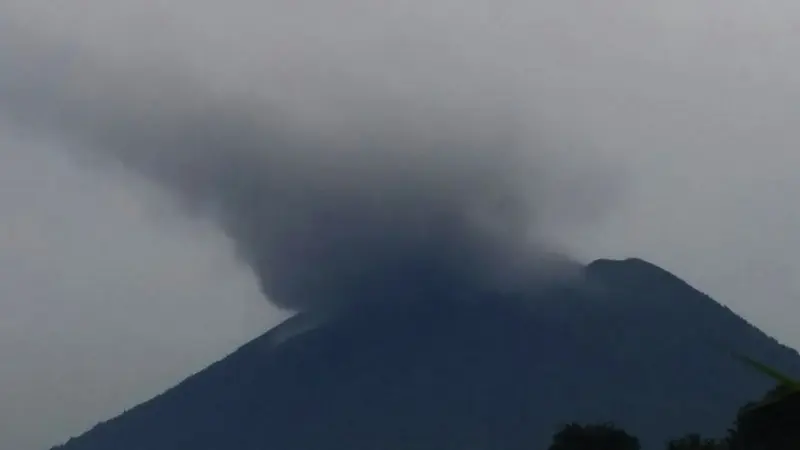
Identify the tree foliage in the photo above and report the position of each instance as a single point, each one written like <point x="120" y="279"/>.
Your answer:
<point x="746" y="433"/>
<point x="605" y="436"/>
<point x="694" y="441"/>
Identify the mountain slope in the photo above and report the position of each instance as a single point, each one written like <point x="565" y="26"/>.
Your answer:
<point x="637" y="346"/>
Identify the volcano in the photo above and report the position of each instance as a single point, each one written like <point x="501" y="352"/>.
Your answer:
<point x="630" y="344"/>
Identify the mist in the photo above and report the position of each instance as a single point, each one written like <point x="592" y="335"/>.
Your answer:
<point x="660" y="129"/>
<point x="337" y="191"/>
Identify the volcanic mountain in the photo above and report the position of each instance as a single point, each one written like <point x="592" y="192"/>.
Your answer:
<point x="631" y="344"/>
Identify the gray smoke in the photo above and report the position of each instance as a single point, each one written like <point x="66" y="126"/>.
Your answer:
<point x="331" y="198"/>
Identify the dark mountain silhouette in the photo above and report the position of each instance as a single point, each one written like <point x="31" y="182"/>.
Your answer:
<point x="632" y="344"/>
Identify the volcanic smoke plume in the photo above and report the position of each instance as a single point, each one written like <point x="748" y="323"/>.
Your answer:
<point x="334" y="194"/>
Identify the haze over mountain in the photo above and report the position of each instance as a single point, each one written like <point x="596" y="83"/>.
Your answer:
<point x="630" y="343"/>
<point x="535" y="133"/>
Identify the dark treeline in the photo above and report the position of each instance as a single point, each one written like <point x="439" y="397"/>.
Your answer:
<point x="772" y="423"/>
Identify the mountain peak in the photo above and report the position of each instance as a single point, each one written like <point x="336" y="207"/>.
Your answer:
<point x="631" y="268"/>
<point x="642" y="278"/>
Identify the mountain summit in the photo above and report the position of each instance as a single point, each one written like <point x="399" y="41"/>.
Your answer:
<point x="632" y="344"/>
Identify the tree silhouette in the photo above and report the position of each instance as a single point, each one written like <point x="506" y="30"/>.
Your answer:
<point x="605" y="436"/>
<point x="772" y="424"/>
<point x="694" y="442"/>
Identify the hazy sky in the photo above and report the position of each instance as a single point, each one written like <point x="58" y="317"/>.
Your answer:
<point x="108" y="296"/>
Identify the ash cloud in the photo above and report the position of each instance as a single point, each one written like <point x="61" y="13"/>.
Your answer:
<point x="330" y="198"/>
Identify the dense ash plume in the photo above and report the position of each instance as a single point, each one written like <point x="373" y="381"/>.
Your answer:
<point x="358" y="198"/>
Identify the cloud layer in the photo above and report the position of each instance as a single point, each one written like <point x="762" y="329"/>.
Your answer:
<point x="351" y="192"/>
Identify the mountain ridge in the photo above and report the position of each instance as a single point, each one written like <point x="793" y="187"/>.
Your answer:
<point x="640" y="354"/>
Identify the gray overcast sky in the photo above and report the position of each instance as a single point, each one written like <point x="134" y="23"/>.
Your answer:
<point x="107" y="297"/>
